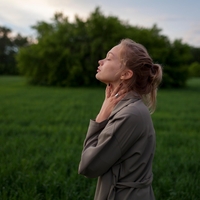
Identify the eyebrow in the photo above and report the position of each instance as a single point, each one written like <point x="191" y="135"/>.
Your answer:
<point x="110" y="53"/>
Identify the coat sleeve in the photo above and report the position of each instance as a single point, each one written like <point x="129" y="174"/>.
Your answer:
<point x="104" y="146"/>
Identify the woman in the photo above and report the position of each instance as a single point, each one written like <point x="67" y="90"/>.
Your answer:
<point x="120" y="143"/>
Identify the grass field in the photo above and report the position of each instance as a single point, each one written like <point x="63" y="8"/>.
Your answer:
<point x="42" y="132"/>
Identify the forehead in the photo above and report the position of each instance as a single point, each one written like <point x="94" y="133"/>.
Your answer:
<point x="115" y="51"/>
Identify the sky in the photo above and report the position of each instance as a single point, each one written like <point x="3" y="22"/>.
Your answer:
<point x="178" y="19"/>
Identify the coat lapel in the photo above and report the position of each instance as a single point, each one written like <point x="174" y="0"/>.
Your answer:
<point x="129" y="98"/>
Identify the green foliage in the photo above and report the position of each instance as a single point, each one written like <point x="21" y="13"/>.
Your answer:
<point x="9" y="46"/>
<point x="196" y="54"/>
<point x="66" y="53"/>
<point x="43" y="129"/>
<point x="176" y="70"/>
<point x="194" y="69"/>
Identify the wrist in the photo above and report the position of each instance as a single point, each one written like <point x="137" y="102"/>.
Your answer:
<point x="101" y="117"/>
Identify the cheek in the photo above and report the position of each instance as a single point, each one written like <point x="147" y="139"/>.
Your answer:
<point x="114" y="69"/>
<point x="109" y="73"/>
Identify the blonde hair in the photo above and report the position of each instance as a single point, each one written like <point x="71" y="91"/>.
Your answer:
<point x="146" y="75"/>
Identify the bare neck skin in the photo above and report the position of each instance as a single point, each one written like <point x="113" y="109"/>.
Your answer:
<point x="114" y="85"/>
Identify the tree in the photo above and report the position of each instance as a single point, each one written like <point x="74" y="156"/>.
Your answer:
<point x="194" y="69"/>
<point x="176" y="65"/>
<point x="66" y="53"/>
<point x="9" y="47"/>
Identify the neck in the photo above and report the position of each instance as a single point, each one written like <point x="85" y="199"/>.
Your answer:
<point x="115" y="85"/>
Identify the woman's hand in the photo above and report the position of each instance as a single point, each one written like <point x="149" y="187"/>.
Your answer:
<point x="111" y="99"/>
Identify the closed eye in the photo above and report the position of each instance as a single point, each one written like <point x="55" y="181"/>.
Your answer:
<point x="108" y="58"/>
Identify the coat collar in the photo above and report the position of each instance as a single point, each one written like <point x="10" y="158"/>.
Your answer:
<point x="131" y="97"/>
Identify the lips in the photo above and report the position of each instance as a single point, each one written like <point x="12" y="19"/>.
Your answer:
<point x="98" y="70"/>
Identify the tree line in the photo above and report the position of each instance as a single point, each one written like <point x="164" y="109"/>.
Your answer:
<point x="67" y="53"/>
<point x="9" y="47"/>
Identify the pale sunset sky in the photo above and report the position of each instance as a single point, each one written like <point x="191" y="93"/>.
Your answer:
<point x="178" y="19"/>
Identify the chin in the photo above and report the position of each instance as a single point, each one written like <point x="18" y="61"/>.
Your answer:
<point x="101" y="80"/>
<point x="98" y="77"/>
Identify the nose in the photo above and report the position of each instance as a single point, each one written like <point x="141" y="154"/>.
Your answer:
<point x="100" y="62"/>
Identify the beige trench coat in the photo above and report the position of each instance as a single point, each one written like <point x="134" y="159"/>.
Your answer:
<point x="119" y="151"/>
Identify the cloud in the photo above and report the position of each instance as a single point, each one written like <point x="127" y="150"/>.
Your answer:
<point x="21" y="15"/>
<point x="171" y="18"/>
<point x="174" y="19"/>
<point x="192" y="35"/>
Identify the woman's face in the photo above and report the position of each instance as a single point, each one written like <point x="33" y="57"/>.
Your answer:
<point x="109" y="68"/>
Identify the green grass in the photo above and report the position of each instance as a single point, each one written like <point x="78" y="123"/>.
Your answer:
<point x="42" y="132"/>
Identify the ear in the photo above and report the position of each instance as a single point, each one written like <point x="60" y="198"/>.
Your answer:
<point x="127" y="74"/>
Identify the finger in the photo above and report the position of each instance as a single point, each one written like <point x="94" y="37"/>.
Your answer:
<point x="118" y="99"/>
<point x="121" y="94"/>
<point x="116" y="90"/>
<point x="120" y="90"/>
<point x="108" y="91"/>
<point x="123" y="91"/>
